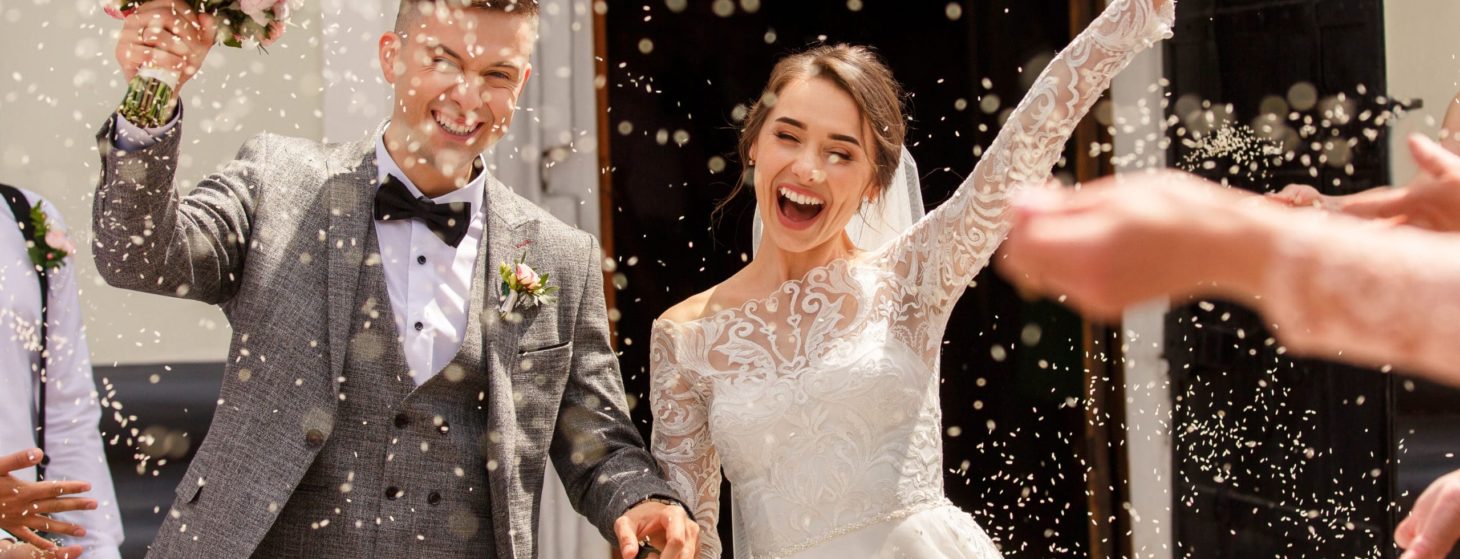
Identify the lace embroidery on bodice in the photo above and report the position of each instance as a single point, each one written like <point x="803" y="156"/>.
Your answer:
<point x="821" y="399"/>
<point x="824" y="407"/>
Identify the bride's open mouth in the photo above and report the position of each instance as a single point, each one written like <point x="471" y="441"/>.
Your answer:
<point x="798" y="208"/>
<point x="457" y="130"/>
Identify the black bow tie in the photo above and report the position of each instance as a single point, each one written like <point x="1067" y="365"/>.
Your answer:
<point x="448" y="221"/>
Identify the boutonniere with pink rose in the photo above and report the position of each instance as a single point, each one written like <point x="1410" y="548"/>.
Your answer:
<point x="238" y="22"/>
<point x="523" y="287"/>
<point x="49" y="247"/>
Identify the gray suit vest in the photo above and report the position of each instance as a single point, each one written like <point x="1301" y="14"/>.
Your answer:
<point x="403" y="473"/>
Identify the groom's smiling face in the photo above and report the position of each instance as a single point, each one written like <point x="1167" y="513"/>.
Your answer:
<point x="457" y="74"/>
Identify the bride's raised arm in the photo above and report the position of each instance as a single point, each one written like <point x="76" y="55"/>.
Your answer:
<point x="944" y="250"/>
<point x="681" y="438"/>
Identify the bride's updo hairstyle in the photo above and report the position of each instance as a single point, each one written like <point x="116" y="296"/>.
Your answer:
<point x="854" y="69"/>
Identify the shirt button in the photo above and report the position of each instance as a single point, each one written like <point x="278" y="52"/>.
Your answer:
<point x="421" y="259"/>
<point x="393" y="493"/>
<point x="419" y="326"/>
<point x="402" y="420"/>
<point x="434" y="498"/>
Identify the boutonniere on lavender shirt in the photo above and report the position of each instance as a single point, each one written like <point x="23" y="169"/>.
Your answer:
<point x="522" y="287"/>
<point x="49" y="247"/>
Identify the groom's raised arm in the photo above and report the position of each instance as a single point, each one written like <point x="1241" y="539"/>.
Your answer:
<point x="148" y="237"/>
<point x="151" y="238"/>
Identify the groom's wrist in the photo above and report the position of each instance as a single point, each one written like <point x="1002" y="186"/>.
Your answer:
<point x="128" y="136"/>
<point x="667" y="501"/>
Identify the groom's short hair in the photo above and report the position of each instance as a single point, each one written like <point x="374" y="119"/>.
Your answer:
<point x="411" y="9"/>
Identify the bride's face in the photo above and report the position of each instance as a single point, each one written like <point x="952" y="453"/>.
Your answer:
<point x="813" y="165"/>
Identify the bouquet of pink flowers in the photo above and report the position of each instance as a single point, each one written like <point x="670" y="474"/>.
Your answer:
<point x="239" y="22"/>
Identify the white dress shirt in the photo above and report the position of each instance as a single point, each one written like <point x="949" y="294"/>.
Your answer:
<point x="429" y="281"/>
<point x="73" y="412"/>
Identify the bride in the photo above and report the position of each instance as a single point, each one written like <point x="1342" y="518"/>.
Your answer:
<point x="811" y="375"/>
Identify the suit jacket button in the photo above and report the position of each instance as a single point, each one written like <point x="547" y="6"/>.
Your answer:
<point x="393" y="493"/>
<point x="434" y="498"/>
<point x="402" y="420"/>
<point x="314" y="438"/>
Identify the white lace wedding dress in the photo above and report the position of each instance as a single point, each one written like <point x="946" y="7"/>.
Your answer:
<point x="820" y="400"/>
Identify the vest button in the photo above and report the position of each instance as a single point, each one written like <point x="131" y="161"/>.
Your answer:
<point x="314" y="438"/>
<point x="393" y="493"/>
<point x="434" y="498"/>
<point x="402" y="420"/>
<point x="444" y="427"/>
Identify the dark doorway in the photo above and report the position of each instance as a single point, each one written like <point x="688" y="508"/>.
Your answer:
<point x="1012" y="371"/>
<point x="1277" y="456"/>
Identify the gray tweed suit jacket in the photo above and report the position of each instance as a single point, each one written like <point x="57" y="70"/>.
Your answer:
<point x="276" y="238"/>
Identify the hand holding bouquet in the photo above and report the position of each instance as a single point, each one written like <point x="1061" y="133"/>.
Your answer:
<point x="164" y="42"/>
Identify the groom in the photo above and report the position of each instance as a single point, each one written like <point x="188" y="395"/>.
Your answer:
<point x="380" y="400"/>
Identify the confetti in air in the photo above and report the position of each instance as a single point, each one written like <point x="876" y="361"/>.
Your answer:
<point x="1239" y="147"/>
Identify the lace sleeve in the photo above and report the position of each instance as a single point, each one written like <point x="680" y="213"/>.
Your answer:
<point x="1340" y="288"/>
<point x="944" y="251"/>
<point x="681" y="438"/>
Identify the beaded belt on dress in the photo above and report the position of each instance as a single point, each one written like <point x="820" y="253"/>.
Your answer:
<point x="853" y="527"/>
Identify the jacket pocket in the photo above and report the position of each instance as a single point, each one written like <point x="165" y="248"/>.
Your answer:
<point x="191" y="486"/>
<point x="544" y="349"/>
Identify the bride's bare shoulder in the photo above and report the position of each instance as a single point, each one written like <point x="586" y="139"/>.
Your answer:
<point x="696" y="307"/>
<point x="715" y="299"/>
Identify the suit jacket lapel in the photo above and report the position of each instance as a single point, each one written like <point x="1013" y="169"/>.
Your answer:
<point x="507" y="226"/>
<point x="351" y="194"/>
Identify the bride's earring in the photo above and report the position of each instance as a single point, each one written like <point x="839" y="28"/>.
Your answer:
<point x="749" y="174"/>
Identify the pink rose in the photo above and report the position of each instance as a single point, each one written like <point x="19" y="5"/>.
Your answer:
<point x="114" y="8"/>
<point x="275" y="30"/>
<point x="526" y="277"/>
<point x="257" y="9"/>
<point x="57" y="240"/>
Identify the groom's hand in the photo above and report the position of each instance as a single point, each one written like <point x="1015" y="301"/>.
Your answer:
<point x="166" y="34"/>
<point x="667" y="528"/>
